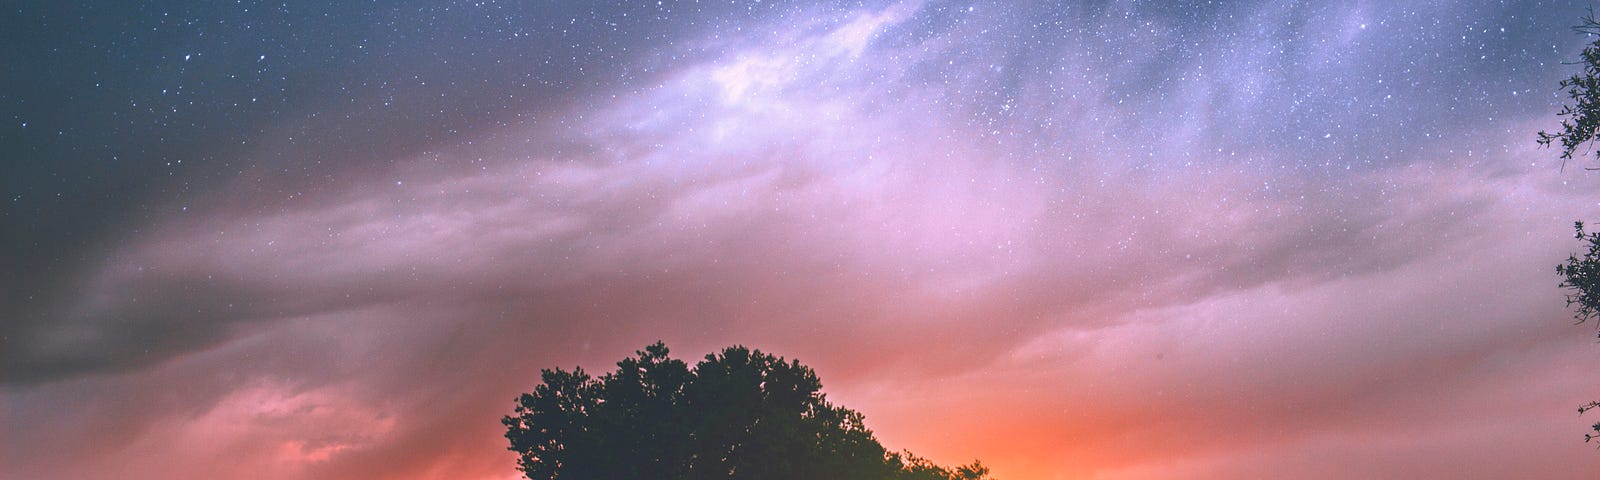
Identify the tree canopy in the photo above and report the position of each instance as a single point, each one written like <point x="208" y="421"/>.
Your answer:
<point x="737" y="414"/>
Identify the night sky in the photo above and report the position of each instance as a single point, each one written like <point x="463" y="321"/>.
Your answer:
<point x="1086" y="240"/>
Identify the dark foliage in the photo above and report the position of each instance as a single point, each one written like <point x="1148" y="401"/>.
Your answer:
<point x="1583" y="115"/>
<point x="737" y="414"/>
<point x="1581" y="277"/>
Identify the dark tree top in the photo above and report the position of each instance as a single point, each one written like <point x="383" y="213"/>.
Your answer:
<point x="737" y="414"/>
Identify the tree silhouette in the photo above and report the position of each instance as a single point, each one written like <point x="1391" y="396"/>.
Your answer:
<point x="737" y="414"/>
<point x="1581" y="276"/>
<point x="1583" y="115"/>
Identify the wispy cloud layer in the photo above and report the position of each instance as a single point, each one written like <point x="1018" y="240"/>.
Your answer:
<point x="1075" y="242"/>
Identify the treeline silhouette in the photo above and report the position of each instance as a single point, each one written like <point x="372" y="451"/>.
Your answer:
<point x="738" y="414"/>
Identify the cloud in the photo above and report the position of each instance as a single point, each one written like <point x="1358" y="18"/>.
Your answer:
<point x="991" y="247"/>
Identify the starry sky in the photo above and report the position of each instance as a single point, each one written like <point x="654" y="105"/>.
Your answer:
<point x="1079" y="240"/>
